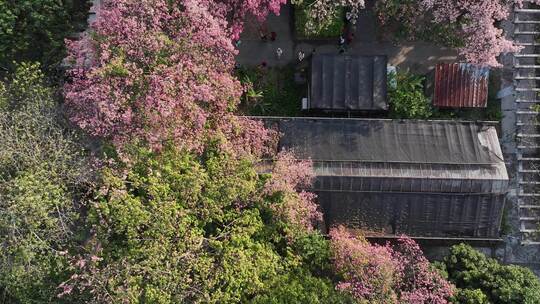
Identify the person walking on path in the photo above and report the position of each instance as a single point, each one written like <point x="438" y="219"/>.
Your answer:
<point x="279" y="52"/>
<point x="301" y="56"/>
<point x="313" y="52"/>
<point x="263" y="32"/>
<point x="350" y="37"/>
<point x="273" y="36"/>
<point x="341" y="44"/>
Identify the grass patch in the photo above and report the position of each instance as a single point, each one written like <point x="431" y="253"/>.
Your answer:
<point x="272" y="91"/>
<point x="333" y="30"/>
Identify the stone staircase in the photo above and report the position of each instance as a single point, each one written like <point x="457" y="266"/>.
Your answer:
<point x="527" y="91"/>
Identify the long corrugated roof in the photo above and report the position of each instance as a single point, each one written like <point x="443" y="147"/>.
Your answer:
<point x="390" y="141"/>
<point x="397" y="155"/>
<point x="422" y="178"/>
<point x="348" y="82"/>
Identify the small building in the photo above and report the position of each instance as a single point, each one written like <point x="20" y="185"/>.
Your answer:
<point x="461" y="85"/>
<point x="388" y="177"/>
<point x="345" y="83"/>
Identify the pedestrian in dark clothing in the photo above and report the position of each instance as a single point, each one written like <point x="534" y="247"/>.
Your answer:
<point x="273" y="36"/>
<point x="313" y="52"/>
<point x="350" y="37"/>
<point x="263" y="33"/>
<point x="341" y="44"/>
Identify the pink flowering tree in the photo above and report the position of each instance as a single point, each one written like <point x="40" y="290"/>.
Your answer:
<point x="473" y="23"/>
<point x="236" y="11"/>
<point x="289" y="180"/>
<point x="483" y="41"/>
<point x="367" y="271"/>
<point x="419" y="281"/>
<point x="386" y="274"/>
<point x="322" y="12"/>
<point x="159" y="72"/>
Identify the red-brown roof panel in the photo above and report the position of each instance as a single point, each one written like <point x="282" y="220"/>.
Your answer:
<point x="461" y="85"/>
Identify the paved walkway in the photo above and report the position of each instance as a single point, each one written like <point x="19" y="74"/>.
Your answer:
<point x="418" y="56"/>
<point x="516" y="251"/>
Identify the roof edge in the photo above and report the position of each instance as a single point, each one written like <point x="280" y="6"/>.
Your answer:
<point x="483" y="122"/>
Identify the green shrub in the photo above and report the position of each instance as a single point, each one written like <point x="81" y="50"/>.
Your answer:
<point x="176" y="227"/>
<point x="483" y="280"/>
<point x="300" y="288"/>
<point x="272" y="92"/>
<point x="407" y="99"/>
<point x="41" y="168"/>
<point x="331" y="30"/>
<point x="470" y="296"/>
<point x="34" y="30"/>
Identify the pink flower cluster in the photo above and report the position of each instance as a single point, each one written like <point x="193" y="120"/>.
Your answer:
<point x="160" y="72"/>
<point x="476" y="23"/>
<point x="386" y="274"/>
<point x="419" y="282"/>
<point x="291" y="177"/>
<point x="483" y="40"/>
<point x="367" y="270"/>
<point x="322" y="12"/>
<point x="236" y="11"/>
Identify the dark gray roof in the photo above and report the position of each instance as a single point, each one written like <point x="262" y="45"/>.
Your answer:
<point x="415" y="214"/>
<point x="348" y="83"/>
<point x="385" y="140"/>
<point x="397" y="155"/>
<point x="421" y="178"/>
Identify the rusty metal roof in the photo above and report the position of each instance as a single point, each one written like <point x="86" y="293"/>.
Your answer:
<point x="461" y="85"/>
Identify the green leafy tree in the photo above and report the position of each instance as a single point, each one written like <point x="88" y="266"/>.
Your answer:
<point x="35" y="29"/>
<point x="407" y="98"/>
<point x="483" y="280"/>
<point x="41" y="168"/>
<point x="176" y="227"/>
<point x="299" y="288"/>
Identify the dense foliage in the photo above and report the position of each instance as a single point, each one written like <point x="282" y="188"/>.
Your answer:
<point x="180" y="207"/>
<point x="35" y="29"/>
<point x="469" y="25"/>
<point x="42" y="172"/>
<point x="159" y="71"/>
<point x="322" y="15"/>
<point x="177" y="227"/>
<point x="270" y="91"/>
<point x="406" y="96"/>
<point x="396" y="273"/>
<point x="480" y="279"/>
<point x="401" y="19"/>
<point x="303" y="19"/>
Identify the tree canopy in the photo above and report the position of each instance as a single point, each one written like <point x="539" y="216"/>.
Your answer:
<point x="174" y="198"/>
